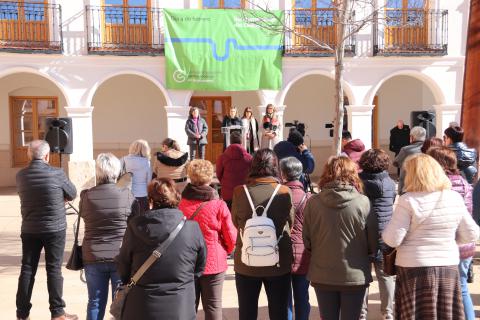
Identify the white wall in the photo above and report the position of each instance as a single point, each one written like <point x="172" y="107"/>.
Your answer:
<point x="127" y="108"/>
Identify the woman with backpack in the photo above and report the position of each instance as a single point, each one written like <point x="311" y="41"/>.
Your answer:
<point x="292" y="170"/>
<point x="263" y="194"/>
<point x="340" y="236"/>
<point x="201" y="203"/>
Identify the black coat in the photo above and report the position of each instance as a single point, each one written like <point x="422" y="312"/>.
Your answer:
<point x="167" y="288"/>
<point x="380" y="190"/>
<point x="43" y="190"/>
<point x="466" y="160"/>
<point x="229" y="122"/>
<point x="104" y="209"/>
<point x="399" y="138"/>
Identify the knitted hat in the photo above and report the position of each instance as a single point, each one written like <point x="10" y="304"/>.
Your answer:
<point x="295" y="137"/>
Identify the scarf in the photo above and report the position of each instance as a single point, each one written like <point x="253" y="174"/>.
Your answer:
<point x="202" y="193"/>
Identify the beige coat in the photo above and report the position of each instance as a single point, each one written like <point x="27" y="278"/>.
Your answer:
<point x="162" y="170"/>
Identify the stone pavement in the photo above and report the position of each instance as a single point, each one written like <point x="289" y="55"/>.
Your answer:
<point x="75" y="291"/>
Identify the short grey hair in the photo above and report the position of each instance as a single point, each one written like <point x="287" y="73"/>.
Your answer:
<point x="418" y="133"/>
<point x="38" y="149"/>
<point x="291" y="168"/>
<point x="107" y="168"/>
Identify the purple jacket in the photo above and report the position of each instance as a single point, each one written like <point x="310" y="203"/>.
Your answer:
<point x="301" y="257"/>
<point x="460" y="185"/>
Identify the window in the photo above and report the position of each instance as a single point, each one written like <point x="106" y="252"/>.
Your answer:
<point x="27" y="115"/>
<point x="135" y="10"/>
<point x="405" y="13"/>
<point x="30" y="10"/>
<point x="320" y="10"/>
<point x="223" y="4"/>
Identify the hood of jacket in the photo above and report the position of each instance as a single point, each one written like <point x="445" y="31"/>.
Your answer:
<point x="235" y="151"/>
<point x="172" y="158"/>
<point x="154" y="226"/>
<point x="338" y="195"/>
<point x="374" y="183"/>
<point x="354" y="146"/>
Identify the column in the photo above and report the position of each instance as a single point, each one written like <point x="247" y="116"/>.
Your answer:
<point x="360" y="123"/>
<point x="176" y="118"/>
<point x="444" y="114"/>
<point x="81" y="165"/>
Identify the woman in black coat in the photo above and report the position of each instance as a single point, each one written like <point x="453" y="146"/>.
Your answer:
<point x="167" y="288"/>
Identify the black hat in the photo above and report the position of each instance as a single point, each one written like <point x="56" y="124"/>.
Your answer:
<point x="295" y="137"/>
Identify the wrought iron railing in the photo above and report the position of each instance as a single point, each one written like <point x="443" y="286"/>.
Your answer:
<point x="317" y="24"/>
<point x="30" y="27"/>
<point x="124" y="30"/>
<point x="411" y="32"/>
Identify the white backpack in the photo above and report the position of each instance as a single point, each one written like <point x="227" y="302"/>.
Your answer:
<point x="259" y="236"/>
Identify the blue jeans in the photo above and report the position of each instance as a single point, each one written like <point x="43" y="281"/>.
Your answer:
<point x="98" y="275"/>
<point x="300" y="299"/>
<point x="467" y="300"/>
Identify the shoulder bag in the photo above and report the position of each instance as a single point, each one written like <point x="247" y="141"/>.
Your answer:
<point x="118" y="303"/>
<point x="75" y="261"/>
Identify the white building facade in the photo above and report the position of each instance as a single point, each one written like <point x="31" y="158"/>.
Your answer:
<point x="113" y="87"/>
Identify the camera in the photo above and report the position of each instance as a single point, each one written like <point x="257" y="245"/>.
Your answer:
<point x="300" y="126"/>
<point x="330" y="126"/>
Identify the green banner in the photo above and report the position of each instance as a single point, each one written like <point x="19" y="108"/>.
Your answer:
<point x="227" y="50"/>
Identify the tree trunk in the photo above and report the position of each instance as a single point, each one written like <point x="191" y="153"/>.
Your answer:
<point x="342" y="18"/>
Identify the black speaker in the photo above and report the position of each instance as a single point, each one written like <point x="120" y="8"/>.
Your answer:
<point x="424" y="119"/>
<point x="59" y="135"/>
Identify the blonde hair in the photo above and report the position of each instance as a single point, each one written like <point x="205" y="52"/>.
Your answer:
<point x="424" y="174"/>
<point x="140" y="148"/>
<point x="200" y="172"/>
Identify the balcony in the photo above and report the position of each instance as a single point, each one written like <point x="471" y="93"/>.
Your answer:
<point x="317" y="24"/>
<point x="124" y="30"/>
<point x="30" y="27"/>
<point x="412" y="32"/>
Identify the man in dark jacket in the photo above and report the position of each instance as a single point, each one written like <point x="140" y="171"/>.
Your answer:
<point x="295" y="147"/>
<point x="43" y="191"/>
<point x="399" y="137"/>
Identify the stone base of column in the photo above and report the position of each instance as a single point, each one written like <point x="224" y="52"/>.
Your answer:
<point x="82" y="174"/>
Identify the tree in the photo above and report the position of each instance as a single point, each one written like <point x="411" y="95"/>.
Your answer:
<point x="346" y="26"/>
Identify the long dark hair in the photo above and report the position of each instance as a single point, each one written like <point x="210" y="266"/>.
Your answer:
<point x="264" y="164"/>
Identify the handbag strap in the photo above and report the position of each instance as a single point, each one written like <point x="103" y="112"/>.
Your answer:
<point x="265" y="209"/>
<point x="198" y="210"/>
<point x="157" y="253"/>
<point x="77" y="229"/>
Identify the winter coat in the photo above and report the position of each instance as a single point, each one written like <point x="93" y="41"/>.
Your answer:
<point x="171" y="164"/>
<point x="191" y="131"/>
<point x="476" y="203"/>
<point x="466" y="160"/>
<point x="404" y="153"/>
<point x="380" y="190"/>
<point x="301" y="257"/>
<point x="141" y="173"/>
<point x="215" y="222"/>
<point x="426" y="227"/>
<point x="232" y="169"/>
<point x="43" y="190"/>
<point x="281" y="212"/>
<point x="399" y="138"/>
<point x="104" y="209"/>
<point x="354" y="149"/>
<point x="251" y="141"/>
<point x="460" y="185"/>
<point x="285" y="149"/>
<point x="270" y="125"/>
<point x="340" y="235"/>
<point x="167" y="289"/>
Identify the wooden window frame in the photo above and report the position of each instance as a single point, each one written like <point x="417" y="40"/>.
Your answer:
<point x="221" y="5"/>
<point x="35" y="132"/>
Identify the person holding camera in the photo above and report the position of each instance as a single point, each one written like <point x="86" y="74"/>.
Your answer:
<point x="295" y="147"/>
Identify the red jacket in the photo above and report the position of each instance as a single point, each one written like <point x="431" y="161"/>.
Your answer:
<point x="232" y="169"/>
<point x="217" y="228"/>
<point x="354" y="149"/>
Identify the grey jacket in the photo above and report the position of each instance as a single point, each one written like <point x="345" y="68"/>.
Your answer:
<point x="104" y="209"/>
<point x="190" y="131"/>
<point x="340" y="233"/>
<point x="43" y="190"/>
<point x="405" y="152"/>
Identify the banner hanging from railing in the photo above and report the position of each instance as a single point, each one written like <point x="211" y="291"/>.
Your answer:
<point x="227" y="50"/>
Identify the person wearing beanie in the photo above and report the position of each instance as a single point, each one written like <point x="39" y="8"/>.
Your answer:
<point x="295" y="147"/>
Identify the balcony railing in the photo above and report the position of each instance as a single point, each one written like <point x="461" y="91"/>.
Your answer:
<point x="124" y="30"/>
<point x="30" y="27"/>
<point x="411" y="32"/>
<point x="318" y="24"/>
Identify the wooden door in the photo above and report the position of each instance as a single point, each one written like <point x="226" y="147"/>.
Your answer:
<point x="127" y="22"/>
<point x="314" y="18"/>
<point x="24" y="21"/>
<point x="406" y="24"/>
<point x="28" y="116"/>
<point x="212" y="109"/>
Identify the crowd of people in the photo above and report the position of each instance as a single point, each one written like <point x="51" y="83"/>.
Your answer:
<point x="281" y="236"/>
